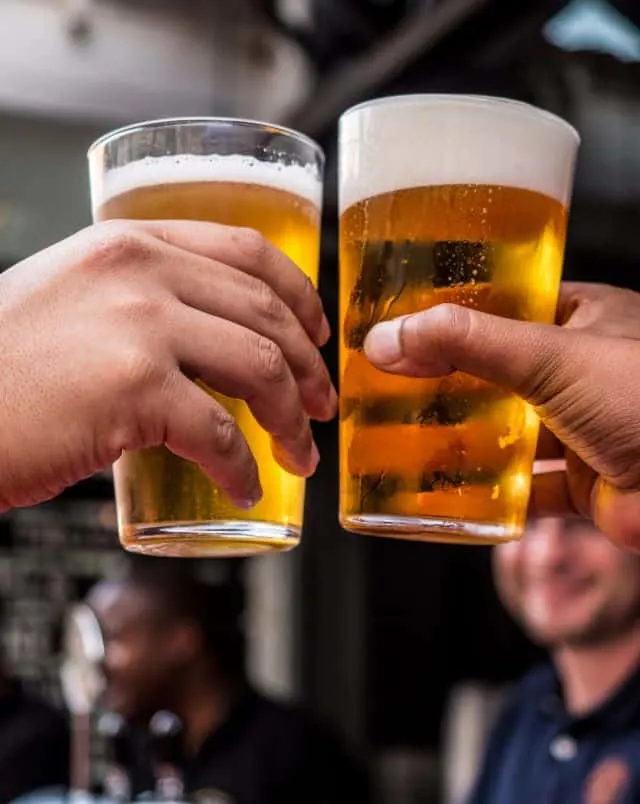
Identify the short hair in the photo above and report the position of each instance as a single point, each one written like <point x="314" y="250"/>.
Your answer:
<point x="179" y="594"/>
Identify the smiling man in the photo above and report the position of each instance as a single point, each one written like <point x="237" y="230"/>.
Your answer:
<point x="570" y="733"/>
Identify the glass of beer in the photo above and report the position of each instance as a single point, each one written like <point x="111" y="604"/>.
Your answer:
<point x="240" y="173"/>
<point x="444" y="199"/>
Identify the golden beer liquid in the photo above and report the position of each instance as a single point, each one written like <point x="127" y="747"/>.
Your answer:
<point x="167" y="505"/>
<point x="441" y="459"/>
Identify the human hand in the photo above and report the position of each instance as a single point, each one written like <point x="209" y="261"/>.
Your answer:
<point x="582" y="375"/>
<point x="102" y="335"/>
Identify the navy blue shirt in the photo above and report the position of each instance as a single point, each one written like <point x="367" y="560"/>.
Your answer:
<point x="539" y="754"/>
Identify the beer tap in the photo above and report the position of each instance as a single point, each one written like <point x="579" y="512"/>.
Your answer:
<point x="115" y="733"/>
<point x="82" y="683"/>
<point x="166" y="733"/>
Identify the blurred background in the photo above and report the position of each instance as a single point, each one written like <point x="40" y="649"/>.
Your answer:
<point x="402" y="648"/>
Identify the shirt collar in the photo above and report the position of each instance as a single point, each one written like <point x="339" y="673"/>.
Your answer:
<point x="239" y="713"/>
<point x="618" y="712"/>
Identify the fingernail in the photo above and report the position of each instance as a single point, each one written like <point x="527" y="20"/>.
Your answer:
<point x="246" y="505"/>
<point x="325" y="331"/>
<point x="249" y="502"/>
<point x="382" y="345"/>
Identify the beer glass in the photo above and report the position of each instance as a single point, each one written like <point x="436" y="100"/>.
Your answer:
<point x="444" y="199"/>
<point x="233" y="172"/>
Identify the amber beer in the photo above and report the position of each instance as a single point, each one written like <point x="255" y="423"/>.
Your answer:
<point x="444" y="199"/>
<point x="167" y="505"/>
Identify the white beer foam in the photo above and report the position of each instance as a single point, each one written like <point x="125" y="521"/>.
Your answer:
<point x="429" y="140"/>
<point x="295" y="179"/>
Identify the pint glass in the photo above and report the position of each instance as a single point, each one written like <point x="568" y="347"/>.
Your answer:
<point x="444" y="199"/>
<point x="231" y="172"/>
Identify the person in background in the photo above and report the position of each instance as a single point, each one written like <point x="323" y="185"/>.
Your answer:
<point x="34" y="740"/>
<point x="173" y="643"/>
<point x="570" y="732"/>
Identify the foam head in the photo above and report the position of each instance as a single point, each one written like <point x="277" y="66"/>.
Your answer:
<point x="430" y="140"/>
<point x="303" y="181"/>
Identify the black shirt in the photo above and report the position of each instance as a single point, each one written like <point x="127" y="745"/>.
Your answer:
<point x="540" y="754"/>
<point x="266" y="753"/>
<point x="34" y="744"/>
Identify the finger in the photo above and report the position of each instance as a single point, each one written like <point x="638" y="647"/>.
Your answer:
<point x="601" y="309"/>
<point x="549" y="447"/>
<point x="252" y="253"/>
<point x="238" y="363"/>
<point x="562" y="487"/>
<point x="199" y="429"/>
<point x="581" y="480"/>
<point x="550" y="495"/>
<point x="535" y="361"/>
<point x="617" y="514"/>
<point x="571" y="296"/>
<point x="226" y="292"/>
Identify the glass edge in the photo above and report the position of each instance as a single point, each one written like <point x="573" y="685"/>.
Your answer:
<point x="168" y="122"/>
<point x="480" y="100"/>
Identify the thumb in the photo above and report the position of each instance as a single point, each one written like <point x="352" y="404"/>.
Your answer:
<point x="617" y="513"/>
<point x="536" y="361"/>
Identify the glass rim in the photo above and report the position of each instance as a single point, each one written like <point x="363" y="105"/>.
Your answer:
<point x="427" y="98"/>
<point x="178" y="122"/>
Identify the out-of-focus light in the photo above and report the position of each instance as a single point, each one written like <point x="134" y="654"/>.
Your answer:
<point x="594" y="25"/>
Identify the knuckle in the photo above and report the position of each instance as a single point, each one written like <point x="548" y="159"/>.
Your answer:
<point x="301" y="426"/>
<point x="267" y="303"/>
<point x="137" y="365"/>
<point x="227" y="434"/>
<point x="316" y="371"/>
<point x="272" y="366"/>
<point x="444" y="327"/>
<point x="318" y="368"/>
<point x="453" y="324"/>
<point x="118" y="244"/>
<point x="455" y="318"/>
<point x="135" y="369"/>
<point x="252" y="244"/>
<point x="293" y="429"/>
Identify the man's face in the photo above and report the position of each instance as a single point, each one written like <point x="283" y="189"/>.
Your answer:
<point x="567" y="584"/>
<point x="142" y="656"/>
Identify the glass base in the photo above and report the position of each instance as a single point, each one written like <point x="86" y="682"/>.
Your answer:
<point x="219" y="539"/>
<point x="430" y="529"/>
